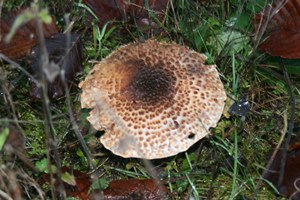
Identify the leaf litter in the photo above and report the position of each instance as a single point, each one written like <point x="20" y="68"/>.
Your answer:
<point x="63" y="61"/>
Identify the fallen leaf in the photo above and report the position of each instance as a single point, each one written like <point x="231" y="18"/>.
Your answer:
<point x="280" y="23"/>
<point x="106" y="10"/>
<point x="60" y="58"/>
<point x="24" y="38"/>
<point x="76" y="183"/>
<point x="146" y="189"/>
<point x="79" y="185"/>
<point x="291" y="179"/>
<point x="138" y="11"/>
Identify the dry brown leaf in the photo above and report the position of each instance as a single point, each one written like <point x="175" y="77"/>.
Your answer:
<point x="146" y="189"/>
<point x="79" y="190"/>
<point x="107" y="10"/>
<point x="69" y="60"/>
<point x="291" y="178"/>
<point x="25" y="37"/>
<point x="280" y="23"/>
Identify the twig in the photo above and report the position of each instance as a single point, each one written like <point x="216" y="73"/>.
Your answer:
<point x="49" y="128"/>
<point x="290" y="122"/>
<point x="174" y="14"/>
<point x="71" y="114"/>
<point x="5" y="196"/>
<point x="265" y="21"/>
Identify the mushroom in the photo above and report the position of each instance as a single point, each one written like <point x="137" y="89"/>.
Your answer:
<point x="153" y="99"/>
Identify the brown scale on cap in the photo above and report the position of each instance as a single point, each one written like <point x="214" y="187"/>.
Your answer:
<point x="153" y="99"/>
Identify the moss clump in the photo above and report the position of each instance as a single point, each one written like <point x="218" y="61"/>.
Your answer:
<point x="34" y="133"/>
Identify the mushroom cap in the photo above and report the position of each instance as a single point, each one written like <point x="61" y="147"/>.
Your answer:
<point x="153" y="99"/>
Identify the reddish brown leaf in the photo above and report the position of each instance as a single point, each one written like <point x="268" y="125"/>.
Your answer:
<point x="69" y="60"/>
<point x="134" y="189"/>
<point x="83" y="183"/>
<point x="146" y="189"/>
<point x="139" y="12"/>
<point x="280" y="23"/>
<point x="107" y="10"/>
<point x="294" y="146"/>
<point x="80" y="190"/>
<point x="24" y="38"/>
<point x="291" y="175"/>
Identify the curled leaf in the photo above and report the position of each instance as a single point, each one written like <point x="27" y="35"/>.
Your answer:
<point x="62" y="60"/>
<point x="76" y="183"/>
<point x="291" y="181"/>
<point x="279" y="22"/>
<point x="142" y="13"/>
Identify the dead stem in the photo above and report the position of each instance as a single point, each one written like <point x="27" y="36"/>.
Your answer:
<point x="290" y="121"/>
<point x="75" y="126"/>
<point x="49" y="128"/>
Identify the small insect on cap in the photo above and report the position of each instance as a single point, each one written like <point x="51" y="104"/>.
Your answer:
<point x="153" y="99"/>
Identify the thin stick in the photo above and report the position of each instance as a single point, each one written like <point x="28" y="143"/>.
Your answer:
<point x="49" y="128"/>
<point x="5" y="195"/>
<point x="68" y="102"/>
<point x="290" y="123"/>
<point x="174" y="14"/>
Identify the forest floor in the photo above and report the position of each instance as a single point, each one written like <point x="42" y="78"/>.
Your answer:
<point x="53" y="134"/>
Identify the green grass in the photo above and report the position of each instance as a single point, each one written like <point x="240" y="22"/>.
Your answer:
<point x="231" y="159"/>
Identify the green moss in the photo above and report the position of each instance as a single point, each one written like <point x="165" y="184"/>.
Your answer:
<point x="35" y="135"/>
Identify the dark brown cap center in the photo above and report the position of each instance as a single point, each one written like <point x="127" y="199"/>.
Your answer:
<point x="151" y="85"/>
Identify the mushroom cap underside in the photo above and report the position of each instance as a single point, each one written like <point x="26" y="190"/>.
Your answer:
<point x="153" y="99"/>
